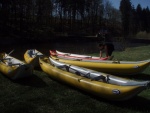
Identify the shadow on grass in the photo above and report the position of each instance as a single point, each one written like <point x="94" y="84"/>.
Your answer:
<point x="33" y="81"/>
<point x="19" y="107"/>
<point x="137" y="104"/>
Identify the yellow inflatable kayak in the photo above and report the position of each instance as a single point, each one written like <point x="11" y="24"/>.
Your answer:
<point x="96" y="83"/>
<point x="14" y="68"/>
<point x="113" y="67"/>
<point x="31" y="56"/>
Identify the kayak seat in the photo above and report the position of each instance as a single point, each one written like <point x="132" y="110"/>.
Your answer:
<point x="32" y="53"/>
<point x="78" y="73"/>
<point x="107" y="78"/>
<point x="12" y="64"/>
<point x="88" y="57"/>
<point x="99" y="77"/>
<point x="78" y="59"/>
<point x="6" y="58"/>
<point x="67" y="67"/>
<point x="67" y="54"/>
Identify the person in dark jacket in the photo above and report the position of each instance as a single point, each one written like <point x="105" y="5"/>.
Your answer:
<point x="105" y="43"/>
<point x="108" y="48"/>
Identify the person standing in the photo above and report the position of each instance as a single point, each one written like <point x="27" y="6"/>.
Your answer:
<point x="106" y="45"/>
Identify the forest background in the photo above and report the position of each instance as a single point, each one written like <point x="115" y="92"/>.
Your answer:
<point x="38" y="19"/>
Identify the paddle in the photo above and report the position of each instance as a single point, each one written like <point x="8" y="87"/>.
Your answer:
<point x="7" y="54"/>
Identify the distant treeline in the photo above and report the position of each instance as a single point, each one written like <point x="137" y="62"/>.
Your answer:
<point x="134" y="19"/>
<point x="35" y="18"/>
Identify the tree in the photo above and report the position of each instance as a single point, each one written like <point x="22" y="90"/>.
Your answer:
<point x="145" y="19"/>
<point x="5" y="15"/>
<point x="139" y="17"/>
<point x="112" y="17"/>
<point x="126" y="11"/>
<point x="25" y="17"/>
<point x="134" y="21"/>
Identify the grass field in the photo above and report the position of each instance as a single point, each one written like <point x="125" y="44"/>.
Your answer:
<point x="41" y="94"/>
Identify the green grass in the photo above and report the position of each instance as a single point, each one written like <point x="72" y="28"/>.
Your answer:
<point x="134" y="53"/>
<point x="41" y="94"/>
<point x="143" y="34"/>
